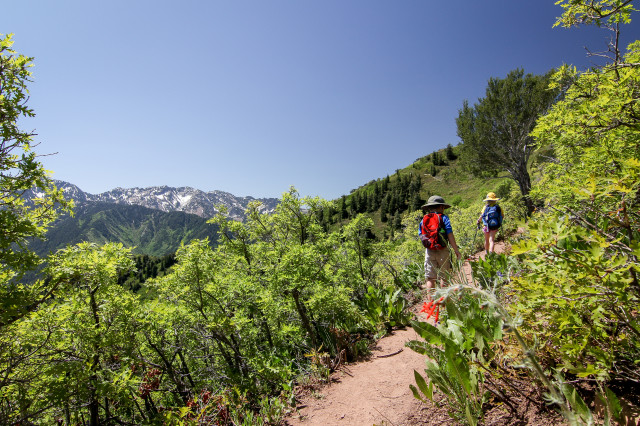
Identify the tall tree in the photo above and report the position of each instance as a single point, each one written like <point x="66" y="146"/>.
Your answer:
<point x="22" y="218"/>
<point x="20" y="172"/>
<point x="495" y="131"/>
<point x="449" y="152"/>
<point x="582" y="254"/>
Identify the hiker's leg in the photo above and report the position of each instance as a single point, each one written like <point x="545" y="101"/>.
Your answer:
<point x="446" y="269"/>
<point x="430" y="284"/>
<point x="487" y="236"/>
<point x="428" y="275"/>
<point x="492" y="240"/>
<point x="441" y="263"/>
<point x="432" y="265"/>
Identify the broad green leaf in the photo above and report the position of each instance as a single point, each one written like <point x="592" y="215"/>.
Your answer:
<point x="428" y="332"/>
<point x="426" y="389"/>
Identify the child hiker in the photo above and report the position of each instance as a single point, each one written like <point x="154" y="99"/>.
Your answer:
<point x="491" y="218"/>
<point x="435" y="234"/>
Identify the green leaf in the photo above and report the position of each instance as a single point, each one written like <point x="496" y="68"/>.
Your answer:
<point x="426" y="389"/>
<point x="458" y="367"/>
<point x="473" y="420"/>
<point x="422" y="348"/>
<point x="428" y="332"/>
<point x="612" y="403"/>
<point x="588" y="371"/>
<point x="577" y="403"/>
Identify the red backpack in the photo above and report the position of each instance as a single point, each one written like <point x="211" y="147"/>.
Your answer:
<point x="432" y="232"/>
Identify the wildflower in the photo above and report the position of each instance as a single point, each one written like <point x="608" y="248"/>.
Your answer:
<point x="432" y="306"/>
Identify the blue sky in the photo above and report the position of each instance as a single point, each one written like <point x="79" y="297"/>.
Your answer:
<point x="251" y="97"/>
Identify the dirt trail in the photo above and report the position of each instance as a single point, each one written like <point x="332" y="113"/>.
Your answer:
<point x="376" y="392"/>
<point x="371" y="392"/>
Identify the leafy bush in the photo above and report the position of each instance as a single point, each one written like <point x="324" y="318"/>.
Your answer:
<point x="387" y="307"/>
<point x="578" y="295"/>
<point x="463" y="222"/>
<point x="503" y="190"/>
<point x="494" y="270"/>
<point x="457" y="349"/>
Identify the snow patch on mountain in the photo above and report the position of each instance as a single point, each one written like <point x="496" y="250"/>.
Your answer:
<point x="167" y="199"/>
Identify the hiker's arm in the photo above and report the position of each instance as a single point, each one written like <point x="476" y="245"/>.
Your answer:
<point x="481" y="214"/>
<point x="452" y="243"/>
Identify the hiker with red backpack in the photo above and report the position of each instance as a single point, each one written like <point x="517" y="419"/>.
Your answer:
<point x="436" y="233"/>
<point x="491" y="218"/>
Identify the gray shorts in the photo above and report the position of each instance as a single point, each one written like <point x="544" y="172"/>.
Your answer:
<point x="437" y="263"/>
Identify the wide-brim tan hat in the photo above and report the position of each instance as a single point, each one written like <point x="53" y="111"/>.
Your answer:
<point x="491" y="196"/>
<point x="436" y="200"/>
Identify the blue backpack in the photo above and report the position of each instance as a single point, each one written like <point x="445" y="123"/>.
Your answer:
<point x="492" y="216"/>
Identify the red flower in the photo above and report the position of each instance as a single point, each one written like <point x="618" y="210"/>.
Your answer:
<point x="432" y="306"/>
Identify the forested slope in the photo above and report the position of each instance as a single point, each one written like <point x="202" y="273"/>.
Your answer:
<point x="146" y="230"/>
<point x="386" y="200"/>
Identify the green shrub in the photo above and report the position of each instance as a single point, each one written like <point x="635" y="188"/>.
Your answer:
<point x="457" y="349"/>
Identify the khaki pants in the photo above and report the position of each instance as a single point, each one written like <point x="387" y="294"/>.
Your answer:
<point x="437" y="264"/>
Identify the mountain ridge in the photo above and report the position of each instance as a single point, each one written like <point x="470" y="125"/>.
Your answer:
<point x="153" y="221"/>
<point x="167" y="199"/>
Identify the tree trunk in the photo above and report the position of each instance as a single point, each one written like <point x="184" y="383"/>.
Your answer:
<point x="94" y="406"/>
<point x="181" y="389"/>
<point x="267" y="330"/>
<point x="185" y="368"/>
<point x="521" y="176"/>
<point x="302" y="311"/>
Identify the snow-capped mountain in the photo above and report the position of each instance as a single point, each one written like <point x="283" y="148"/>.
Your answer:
<point x="168" y="199"/>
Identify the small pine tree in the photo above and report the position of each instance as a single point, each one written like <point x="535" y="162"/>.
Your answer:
<point x="343" y="207"/>
<point x="416" y="202"/>
<point x="383" y="210"/>
<point x="377" y="196"/>
<point x="397" y="221"/>
<point x="450" y="154"/>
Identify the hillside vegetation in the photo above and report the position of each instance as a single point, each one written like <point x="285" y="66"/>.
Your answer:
<point x="146" y="231"/>
<point x="387" y="200"/>
<point x="228" y="333"/>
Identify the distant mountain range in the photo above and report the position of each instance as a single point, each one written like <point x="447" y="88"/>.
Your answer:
<point x="155" y="221"/>
<point x="169" y="199"/>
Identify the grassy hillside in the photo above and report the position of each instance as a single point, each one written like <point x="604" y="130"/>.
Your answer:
<point x="439" y="173"/>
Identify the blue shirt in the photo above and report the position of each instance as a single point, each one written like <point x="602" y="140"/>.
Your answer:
<point x="445" y="221"/>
